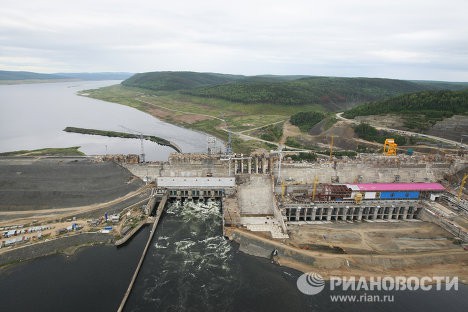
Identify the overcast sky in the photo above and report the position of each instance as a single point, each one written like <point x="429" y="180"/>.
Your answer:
<point x="408" y="39"/>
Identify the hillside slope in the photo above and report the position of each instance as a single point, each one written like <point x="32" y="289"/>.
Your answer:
<point x="430" y="103"/>
<point x="423" y="111"/>
<point x="333" y="93"/>
<point x="24" y="75"/>
<point x="171" y="81"/>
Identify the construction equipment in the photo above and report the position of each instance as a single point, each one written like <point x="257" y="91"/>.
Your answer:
<point x="141" y="136"/>
<point x="283" y="189"/>
<point x="390" y="147"/>
<point x="314" y="190"/>
<point x="281" y="153"/>
<point x="462" y="185"/>
<point x="211" y="141"/>
<point x="358" y="198"/>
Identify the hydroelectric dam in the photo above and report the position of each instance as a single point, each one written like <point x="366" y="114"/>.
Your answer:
<point x="276" y="196"/>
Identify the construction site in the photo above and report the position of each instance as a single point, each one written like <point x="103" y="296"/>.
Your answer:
<point x="331" y="214"/>
<point x="409" y="212"/>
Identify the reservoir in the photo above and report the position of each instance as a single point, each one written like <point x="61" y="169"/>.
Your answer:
<point x="32" y="116"/>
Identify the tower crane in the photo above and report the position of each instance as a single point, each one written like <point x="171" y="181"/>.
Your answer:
<point x="331" y="147"/>
<point x="141" y="137"/>
<point x="281" y="153"/>
<point x="462" y="185"/>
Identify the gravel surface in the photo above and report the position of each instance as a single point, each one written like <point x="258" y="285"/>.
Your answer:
<point x="33" y="183"/>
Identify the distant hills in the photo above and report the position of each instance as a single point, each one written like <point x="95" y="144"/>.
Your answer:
<point x="170" y="81"/>
<point x="24" y="75"/>
<point x="98" y="76"/>
<point x="333" y="93"/>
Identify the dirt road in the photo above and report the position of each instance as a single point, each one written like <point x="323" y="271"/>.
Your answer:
<point x="404" y="132"/>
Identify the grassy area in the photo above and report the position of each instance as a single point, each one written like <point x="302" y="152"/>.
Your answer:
<point x="272" y="133"/>
<point x="65" y="151"/>
<point x="181" y="109"/>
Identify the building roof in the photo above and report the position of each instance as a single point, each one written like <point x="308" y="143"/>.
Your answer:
<point x="376" y="187"/>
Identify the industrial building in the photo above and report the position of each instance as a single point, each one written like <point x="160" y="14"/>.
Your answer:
<point x="380" y="191"/>
<point x="364" y="201"/>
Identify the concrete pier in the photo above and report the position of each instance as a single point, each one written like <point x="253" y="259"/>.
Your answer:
<point x="150" y="238"/>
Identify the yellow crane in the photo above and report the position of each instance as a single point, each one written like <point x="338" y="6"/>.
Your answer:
<point x="462" y="185"/>
<point x="283" y="189"/>
<point x="390" y="147"/>
<point x="314" y="190"/>
<point x="331" y="147"/>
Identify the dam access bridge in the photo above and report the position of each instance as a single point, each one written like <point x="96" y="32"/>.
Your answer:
<point x="196" y="188"/>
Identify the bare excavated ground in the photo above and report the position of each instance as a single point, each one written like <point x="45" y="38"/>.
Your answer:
<point x="415" y="249"/>
<point x="48" y="183"/>
<point x="449" y="128"/>
<point x="343" y="137"/>
<point x="374" y="238"/>
<point x="387" y="121"/>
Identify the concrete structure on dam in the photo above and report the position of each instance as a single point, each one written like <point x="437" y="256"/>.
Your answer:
<point x="254" y="198"/>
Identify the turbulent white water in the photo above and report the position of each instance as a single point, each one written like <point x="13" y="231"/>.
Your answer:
<point x="193" y="258"/>
<point x="203" y="245"/>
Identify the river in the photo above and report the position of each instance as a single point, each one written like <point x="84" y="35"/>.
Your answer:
<point x="189" y="267"/>
<point x="32" y="116"/>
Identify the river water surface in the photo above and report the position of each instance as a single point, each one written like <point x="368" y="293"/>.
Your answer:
<point x="189" y="267"/>
<point x="32" y="116"/>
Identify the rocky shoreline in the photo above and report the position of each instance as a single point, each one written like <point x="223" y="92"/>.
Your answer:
<point x="66" y="245"/>
<point x="349" y="264"/>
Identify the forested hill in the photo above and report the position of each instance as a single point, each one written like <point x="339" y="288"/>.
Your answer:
<point x="23" y="75"/>
<point x="171" y="81"/>
<point x="430" y="103"/>
<point x="332" y="93"/>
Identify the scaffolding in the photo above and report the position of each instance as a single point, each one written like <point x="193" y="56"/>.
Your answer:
<point x="333" y="192"/>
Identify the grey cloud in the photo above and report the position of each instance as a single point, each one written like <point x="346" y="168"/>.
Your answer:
<point x="410" y="39"/>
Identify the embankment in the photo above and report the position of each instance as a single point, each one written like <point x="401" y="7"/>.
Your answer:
<point x="453" y="263"/>
<point x="124" y="135"/>
<point x="60" y="245"/>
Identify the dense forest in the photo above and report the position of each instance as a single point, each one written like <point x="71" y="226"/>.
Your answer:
<point x="431" y="103"/>
<point x="306" y="120"/>
<point x="369" y="133"/>
<point x="171" y="81"/>
<point x="332" y="93"/>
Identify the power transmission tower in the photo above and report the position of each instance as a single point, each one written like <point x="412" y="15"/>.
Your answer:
<point x="141" y="137"/>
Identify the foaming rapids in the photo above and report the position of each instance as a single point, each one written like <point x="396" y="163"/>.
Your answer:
<point x="193" y="258"/>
